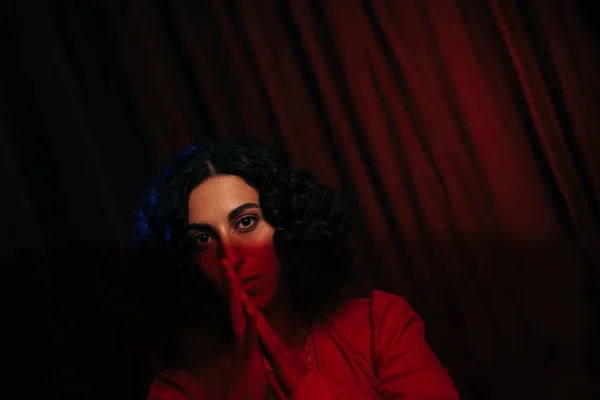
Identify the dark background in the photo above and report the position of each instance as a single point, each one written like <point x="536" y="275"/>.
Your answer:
<point x="465" y="131"/>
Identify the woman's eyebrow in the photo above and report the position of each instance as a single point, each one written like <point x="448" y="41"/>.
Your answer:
<point x="231" y="216"/>
<point x="240" y="209"/>
<point x="198" y="227"/>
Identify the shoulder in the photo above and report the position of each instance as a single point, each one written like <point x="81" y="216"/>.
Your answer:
<point x="387" y="309"/>
<point x="372" y="321"/>
<point x="173" y="384"/>
<point x="165" y="387"/>
<point x="374" y="309"/>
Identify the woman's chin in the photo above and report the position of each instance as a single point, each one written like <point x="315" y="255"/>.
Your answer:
<point x="260" y="299"/>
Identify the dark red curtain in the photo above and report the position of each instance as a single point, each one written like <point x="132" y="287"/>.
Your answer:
<point x="465" y="133"/>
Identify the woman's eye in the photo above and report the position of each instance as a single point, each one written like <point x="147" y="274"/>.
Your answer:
<point x="247" y="222"/>
<point x="200" y="239"/>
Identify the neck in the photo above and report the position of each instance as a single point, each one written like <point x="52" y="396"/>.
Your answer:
<point x="290" y="327"/>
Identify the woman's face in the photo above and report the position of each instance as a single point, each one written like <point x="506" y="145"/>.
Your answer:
<point x="225" y="222"/>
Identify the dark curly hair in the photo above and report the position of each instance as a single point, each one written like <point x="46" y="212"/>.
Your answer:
<point x="310" y="233"/>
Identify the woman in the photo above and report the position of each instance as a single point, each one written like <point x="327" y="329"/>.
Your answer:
<point x="243" y="259"/>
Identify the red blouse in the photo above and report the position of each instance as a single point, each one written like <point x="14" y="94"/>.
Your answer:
<point x="369" y="349"/>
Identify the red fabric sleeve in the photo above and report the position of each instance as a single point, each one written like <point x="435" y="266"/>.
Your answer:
<point x="405" y="366"/>
<point x="162" y="391"/>
<point x="170" y="385"/>
<point x="318" y="387"/>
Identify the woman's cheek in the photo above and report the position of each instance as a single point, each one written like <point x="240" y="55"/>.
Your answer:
<point x="209" y="264"/>
<point x="260" y="247"/>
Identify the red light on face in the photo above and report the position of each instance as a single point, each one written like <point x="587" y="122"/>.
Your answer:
<point x="255" y="264"/>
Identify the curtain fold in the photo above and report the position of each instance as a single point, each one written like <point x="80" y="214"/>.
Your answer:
<point x="463" y="133"/>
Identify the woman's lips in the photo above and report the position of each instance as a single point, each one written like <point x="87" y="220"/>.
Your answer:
<point x="249" y="279"/>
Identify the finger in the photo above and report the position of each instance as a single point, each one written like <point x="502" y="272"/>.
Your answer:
<point x="244" y="296"/>
<point x="226" y="284"/>
<point x="266" y="334"/>
<point x="236" y="312"/>
<point x="238" y="287"/>
<point x="235" y="281"/>
<point x="251" y="334"/>
<point x="271" y="345"/>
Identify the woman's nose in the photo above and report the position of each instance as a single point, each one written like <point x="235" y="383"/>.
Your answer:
<point x="232" y="254"/>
